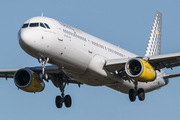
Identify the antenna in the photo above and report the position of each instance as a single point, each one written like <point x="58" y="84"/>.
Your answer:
<point x="42" y="15"/>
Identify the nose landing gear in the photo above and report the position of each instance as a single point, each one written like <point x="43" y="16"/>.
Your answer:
<point x="43" y="75"/>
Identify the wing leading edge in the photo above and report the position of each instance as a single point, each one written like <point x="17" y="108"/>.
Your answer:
<point x="9" y="72"/>
<point x="157" y="61"/>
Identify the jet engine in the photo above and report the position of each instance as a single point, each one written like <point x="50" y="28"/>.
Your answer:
<point x="27" y="80"/>
<point x="140" y="70"/>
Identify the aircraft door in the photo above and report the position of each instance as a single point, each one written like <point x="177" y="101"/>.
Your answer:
<point x="59" y="31"/>
<point x="90" y="50"/>
<point x="60" y="34"/>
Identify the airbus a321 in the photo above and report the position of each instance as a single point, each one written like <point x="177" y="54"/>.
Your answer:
<point x="80" y="58"/>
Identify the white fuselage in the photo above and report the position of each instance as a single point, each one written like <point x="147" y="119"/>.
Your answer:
<point x="80" y="55"/>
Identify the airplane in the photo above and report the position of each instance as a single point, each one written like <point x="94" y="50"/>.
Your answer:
<point x="79" y="58"/>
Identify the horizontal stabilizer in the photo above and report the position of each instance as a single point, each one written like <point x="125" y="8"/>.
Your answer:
<point x="171" y="76"/>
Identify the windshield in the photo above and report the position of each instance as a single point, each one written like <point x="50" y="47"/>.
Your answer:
<point x="44" y="25"/>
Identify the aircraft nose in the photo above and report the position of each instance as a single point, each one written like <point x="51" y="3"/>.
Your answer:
<point x="25" y="38"/>
<point x="28" y="38"/>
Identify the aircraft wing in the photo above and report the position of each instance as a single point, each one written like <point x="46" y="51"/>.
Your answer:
<point x="50" y="70"/>
<point x="9" y="72"/>
<point x="165" y="60"/>
<point x="116" y="64"/>
<point x="157" y="61"/>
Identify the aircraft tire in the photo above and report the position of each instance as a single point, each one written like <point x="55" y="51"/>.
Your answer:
<point x="58" y="102"/>
<point x="45" y="76"/>
<point x="141" y="94"/>
<point x="67" y="101"/>
<point x="132" y="95"/>
<point x="40" y="77"/>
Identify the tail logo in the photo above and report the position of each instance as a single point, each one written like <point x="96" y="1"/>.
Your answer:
<point x="157" y="32"/>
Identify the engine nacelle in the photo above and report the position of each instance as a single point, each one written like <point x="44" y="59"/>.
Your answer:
<point x="27" y="80"/>
<point x="140" y="70"/>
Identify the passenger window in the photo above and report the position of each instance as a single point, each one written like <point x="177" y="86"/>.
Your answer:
<point x="34" y="24"/>
<point x="42" y="25"/>
<point x="25" y="25"/>
<point x="47" y="25"/>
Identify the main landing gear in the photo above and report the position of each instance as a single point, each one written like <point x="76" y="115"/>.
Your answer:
<point x="66" y="99"/>
<point x="136" y="92"/>
<point x="61" y="83"/>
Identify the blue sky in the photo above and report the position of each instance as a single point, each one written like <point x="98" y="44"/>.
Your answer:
<point x="124" y="23"/>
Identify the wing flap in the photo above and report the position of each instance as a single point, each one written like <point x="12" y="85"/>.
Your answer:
<point x="165" y="60"/>
<point x="171" y="56"/>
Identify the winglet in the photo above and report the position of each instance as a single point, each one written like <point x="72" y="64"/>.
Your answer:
<point x="154" y="44"/>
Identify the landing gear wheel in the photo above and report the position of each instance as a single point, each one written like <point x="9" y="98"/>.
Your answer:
<point x="58" y="102"/>
<point x="141" y="94"/>
<point x="67" y="101"/>
<point x="45" y="76"/>
<point x="41" y="76"/>
<point x="132" y="95"/>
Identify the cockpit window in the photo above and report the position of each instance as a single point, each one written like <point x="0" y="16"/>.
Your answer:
<point x="25" y="25"/>
<point x="34" y="24"/>
<point x="42" y="25"/>
<point x="47" y="25"/>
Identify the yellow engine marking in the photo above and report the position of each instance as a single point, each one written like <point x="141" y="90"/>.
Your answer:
<point x="148" y="74"/>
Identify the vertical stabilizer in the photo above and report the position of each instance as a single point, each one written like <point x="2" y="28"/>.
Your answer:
<point x="154" y="44"/>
